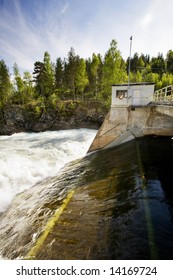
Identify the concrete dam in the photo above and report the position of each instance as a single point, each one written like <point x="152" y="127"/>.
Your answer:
<point x="136" y="111"/>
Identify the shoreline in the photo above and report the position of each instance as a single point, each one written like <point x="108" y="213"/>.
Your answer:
<point x="76" y="115"/>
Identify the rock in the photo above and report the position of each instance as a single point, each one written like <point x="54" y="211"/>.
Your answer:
<point x="75" y="114"/>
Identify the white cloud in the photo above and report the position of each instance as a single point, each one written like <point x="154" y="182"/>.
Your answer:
<point x="145" y="22"/>
<point x="152" y="28"/>
<point x="64" y="8"/>
<point x="88" y="26"/>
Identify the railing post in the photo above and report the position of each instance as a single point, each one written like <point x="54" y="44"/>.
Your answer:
<point x="165" y="96"/>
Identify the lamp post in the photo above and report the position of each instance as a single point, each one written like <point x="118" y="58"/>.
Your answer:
<point x="129" y="70"/>
<point x="129" y="61"/>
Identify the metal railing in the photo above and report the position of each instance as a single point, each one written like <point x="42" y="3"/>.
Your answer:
<point x="163" y="94"/>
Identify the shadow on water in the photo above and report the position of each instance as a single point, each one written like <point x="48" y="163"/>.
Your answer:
<point x="157" y="159"/>
<point x="122" y="207"/>
<point x="123" y="223"/>
<point x="141" y="226"/>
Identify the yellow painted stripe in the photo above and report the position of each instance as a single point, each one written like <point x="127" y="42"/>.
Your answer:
<point x="50" y="224"/>
<point x="150" y="229"/>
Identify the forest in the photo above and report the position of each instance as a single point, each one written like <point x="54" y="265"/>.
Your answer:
<point x="76" y="78"/>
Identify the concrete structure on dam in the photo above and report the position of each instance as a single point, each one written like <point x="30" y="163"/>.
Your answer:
<point x="136" y="111"/>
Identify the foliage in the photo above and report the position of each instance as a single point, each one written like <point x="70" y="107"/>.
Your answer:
<point x="44" y="76"/>
<point x="59" y="73"/>
<point x="158" y="64"/>
<point x="114" y="70"/>
<point x="5" y="84"/>
<point x="75" y="78"/>
<point x="94" y="72"/>
<point x="81" y="79"/>
<point x="169" y="62"/>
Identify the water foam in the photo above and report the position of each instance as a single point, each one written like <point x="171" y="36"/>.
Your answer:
<point x="26" y="158"/>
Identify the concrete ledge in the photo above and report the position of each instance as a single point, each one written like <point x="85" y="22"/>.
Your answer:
<point x="165" y="110"/>
<point x="123" y="124"/>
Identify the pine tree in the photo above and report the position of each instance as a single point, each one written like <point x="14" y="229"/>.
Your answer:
<point x="39" y="77"/>
<point x="44" y="76"/>
<point x="59" y="74"/>
<point x="169" y="60"/>
<point x="28" y="87"/>
<point x="70" y="70"/>
<point x="158" y="64"/>
<point x="114" y="70"/>
<point x="81" y="78"/>
<point x="5" y="84"/>
<point x="49" y="81"/>
<point x="95" y="74"/>
<point x="18" y="80"/>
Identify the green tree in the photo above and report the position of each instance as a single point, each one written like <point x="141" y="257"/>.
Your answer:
<point x="145" y="72"/>
<point x="133" y="63"/>
<point x="28" y="86"/>
<point x="152" y="78"/>
<point x="49" y="77"/>
<point x="146" y="59"/>
<point x="39" y="77"/>
<point x="158" y="64"/>
<point x="70" y="70"/>
<point x="81" y="78"/>
<point x="167" y="79"/>
<point x="136" y="77"/>
<point x="137" y="63"/>
<point x="95" y="73"/>
<point x="5" y="84"/>
<point x="169" y="60"/>
<point x="44" y="76"/>
<point x="18" y="79"/>
<point x="114" y="70"/>
<point x="59" y="73"/>
<point x="19" y="85"/>
<point x="141" y="64"/>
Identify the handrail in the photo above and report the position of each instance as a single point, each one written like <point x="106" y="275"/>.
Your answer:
<point x="163" y="94"/>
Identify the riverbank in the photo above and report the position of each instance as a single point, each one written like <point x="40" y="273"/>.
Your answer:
<point x="66" y="115"/>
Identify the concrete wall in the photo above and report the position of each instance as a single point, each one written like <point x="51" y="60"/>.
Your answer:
<point x="126" y="123"/>
<point x="165" y="110"/>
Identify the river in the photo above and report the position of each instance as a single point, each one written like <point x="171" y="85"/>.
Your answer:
<point x="112" y="204"/>
<point x="27" y="158"/>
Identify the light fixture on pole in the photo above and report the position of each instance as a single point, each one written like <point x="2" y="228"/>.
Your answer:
<point x="129" y="60"/>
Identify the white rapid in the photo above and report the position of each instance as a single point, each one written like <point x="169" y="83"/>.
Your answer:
<point x="26" y="158"/>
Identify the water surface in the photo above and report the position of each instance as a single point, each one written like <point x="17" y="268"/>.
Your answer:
<point x="121" y="208"/>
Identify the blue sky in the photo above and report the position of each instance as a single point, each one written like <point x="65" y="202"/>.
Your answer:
<point x="28" y="28"/>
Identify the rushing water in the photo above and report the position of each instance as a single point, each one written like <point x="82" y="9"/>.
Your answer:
<point x="26" y="158"/>
<point x="112" y="204"/>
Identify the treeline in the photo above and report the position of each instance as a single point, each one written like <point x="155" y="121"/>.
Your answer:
<point x="78" y="78"/>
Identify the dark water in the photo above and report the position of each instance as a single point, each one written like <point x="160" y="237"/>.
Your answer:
<point x="122" y="207"/>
